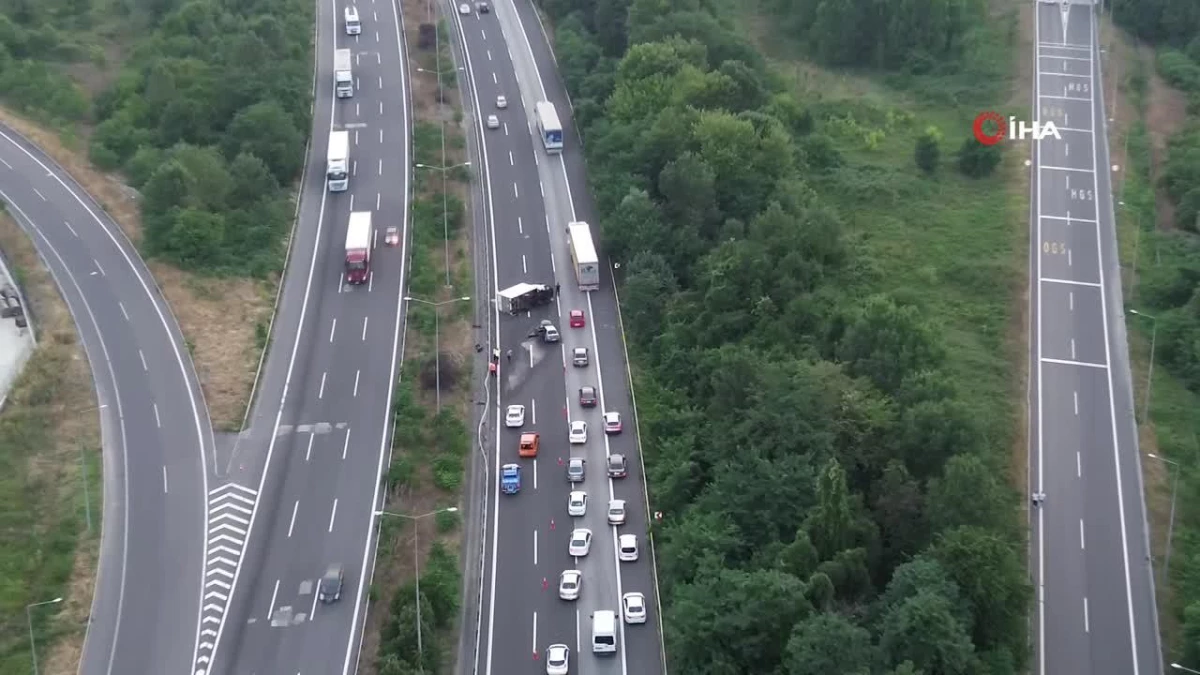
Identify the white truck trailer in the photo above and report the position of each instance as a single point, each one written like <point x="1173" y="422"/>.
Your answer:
<point x="343" y="73"/>
<point x="583" y="256"/>
<point x="359" y="237"/>
<point x="337" y="161"/>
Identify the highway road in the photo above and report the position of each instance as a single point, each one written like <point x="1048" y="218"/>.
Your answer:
<point x="1095" y="610"/>
<point x="156" y="436"/>
<point x="317" y="440"/>
<point x="530" y="197"/>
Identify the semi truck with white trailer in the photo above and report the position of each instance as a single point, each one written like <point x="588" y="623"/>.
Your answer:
<point x="524" y="297"/>
<point x="337" y="161"/>
<point x="583" y="256"/>
<point x="343" y="73"/>
<point x="359" y="237"/>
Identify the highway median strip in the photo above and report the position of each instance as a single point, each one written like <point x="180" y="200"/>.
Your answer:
<point x="415" y="591"/>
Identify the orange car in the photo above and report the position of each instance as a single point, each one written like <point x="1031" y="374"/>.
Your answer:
<point x="529" y="445"/>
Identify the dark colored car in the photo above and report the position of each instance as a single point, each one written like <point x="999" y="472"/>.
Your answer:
<point x="587" y="397"/>
<point x="618" y="467"/>
<point x="483" y="7"/>
<point x="330" y="586"/>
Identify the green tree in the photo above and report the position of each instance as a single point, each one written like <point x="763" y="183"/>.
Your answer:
<point x="991" y="576"/>
<point x="195" y="239"/>
<point x="829" y="643"/>
<point x="830" y="524"/>
<point x="970" y="493"/>
<point x="252" y="181"/>
<point x="922" y="630"/>
<point x="928" y="151"/>
<point x="885" y="341"/>
<point x="976" y="160"/>
<point x="266" y="131"/>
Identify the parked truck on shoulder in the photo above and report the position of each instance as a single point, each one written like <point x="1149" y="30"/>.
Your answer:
<point x="359" y="236"/>
<point x="337" y="161"/>
<point x="343" y="73"/>
<point x="583" y="256"/>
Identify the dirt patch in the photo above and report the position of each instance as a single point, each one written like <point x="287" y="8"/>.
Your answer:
<point x="219" y="318"/>
<point x="74" y="430"/>
<point x="1166" y="114"/>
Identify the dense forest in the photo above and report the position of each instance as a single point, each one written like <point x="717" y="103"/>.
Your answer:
<point x="208" y="119"/>
<point x="1168" y="285"/>
<point x="830" y="504"/>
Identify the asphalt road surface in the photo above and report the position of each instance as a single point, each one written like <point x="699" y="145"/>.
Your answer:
<point x="317" y="440"/>
<point x="1095" y="609"/>
<point x="156" y="434"/>
<point x="531" y="196"/>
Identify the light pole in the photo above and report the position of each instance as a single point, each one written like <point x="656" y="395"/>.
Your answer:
<point x="1176" y="666"/>
<point x="437" y="349"/>
<point x="416" y="565"/>
<point x="1150" y="370"/>
<point x="445" y="212"/>
<point x="1171" y="521"/>
<point x="29" y="616"/>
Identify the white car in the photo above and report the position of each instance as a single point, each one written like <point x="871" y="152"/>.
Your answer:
<point x="612" y="422"/>
<point x="514" y="417"/>
<point x="569" y="584"/>
<point x="577" y="503"/>
<point x="501" y="102"/>
<point x="627" y="548"/>
<point x="493" y="122"/>
<point x="578" y="432"/>
<point x="557" y="657"/>
<point x="616" y="512"/>
<point x="581" y="542"/>
<point x="464" y="9"/>
<point x="633" y="606"/>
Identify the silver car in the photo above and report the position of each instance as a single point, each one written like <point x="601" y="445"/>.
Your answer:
<point x="575" y="469"/>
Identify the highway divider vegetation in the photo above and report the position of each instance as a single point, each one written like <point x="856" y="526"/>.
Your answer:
<point x="49" y="465"/>
<point x="825" y="340"/>
<point x="430" y="443"/>
<point x="208" y="119"/>
<point x="1160" y="189"/>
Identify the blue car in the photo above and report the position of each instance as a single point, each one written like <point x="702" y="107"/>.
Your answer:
<point x="510" y="479"/>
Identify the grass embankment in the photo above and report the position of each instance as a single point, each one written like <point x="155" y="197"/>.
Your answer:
<point x="80" y="85"/>
<point x="952" y="245"/>
<point x="49" y="445"/>
<point x="1147" y="113"/>
<point x="430" y="446"/>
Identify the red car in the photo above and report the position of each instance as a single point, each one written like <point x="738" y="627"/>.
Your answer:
<point x="577" y="318"/>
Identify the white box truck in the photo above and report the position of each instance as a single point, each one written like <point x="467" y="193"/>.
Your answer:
<point x="583" y="256"/>
<point x="524" y="297"/>
<point x="337" y="161"/>
<point x="604" y="631"/>
<point x="358" y="247"/>
<point x="343" y="73"/>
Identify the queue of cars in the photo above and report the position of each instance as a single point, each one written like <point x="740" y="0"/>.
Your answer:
<point x="570" y="584"/>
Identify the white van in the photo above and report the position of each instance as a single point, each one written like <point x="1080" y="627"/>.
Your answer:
<point x="604" y="632"/>
<point x="353" y="25"/>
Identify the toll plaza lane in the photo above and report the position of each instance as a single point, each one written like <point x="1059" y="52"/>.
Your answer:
<point x="1095" y="609"/>
<point x="156" y="435"/>
<point x="318" y="445"/>
<point x="491" y="41"/>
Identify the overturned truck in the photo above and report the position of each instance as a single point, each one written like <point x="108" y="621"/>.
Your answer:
<point x="524" y="297"/>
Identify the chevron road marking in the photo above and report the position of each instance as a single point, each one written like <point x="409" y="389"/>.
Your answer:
<point x="229" y="509"/>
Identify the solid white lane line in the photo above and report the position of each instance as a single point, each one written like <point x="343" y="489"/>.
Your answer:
<point x="321" y="392"/>
<point x="346" y="444"/>
<point x="1066" y="218"/>
<point x="1063" y="168"/>
<point x="577" y="631"/>
<point x="1070" y="282"/>
<point x="1065" y="362"/>
<point x="332" y="329"/>
<point x="312" y="436"/>
<point x="157" y="421"/>
<point x="292" y="524"/>
<point x="274" y="594"/>
<point x="145" y="368"/>
<point x="333" y="514"/>
<point x="364" y="330"/>
<point x="357" y="374"/>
